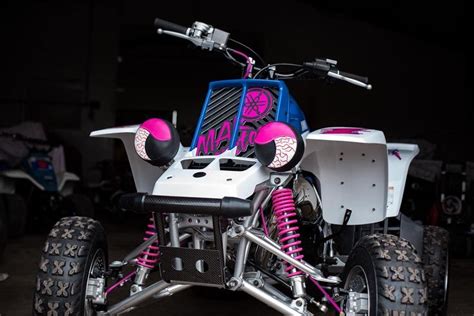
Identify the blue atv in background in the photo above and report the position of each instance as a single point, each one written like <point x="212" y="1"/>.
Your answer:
<point x="34" y="192"/>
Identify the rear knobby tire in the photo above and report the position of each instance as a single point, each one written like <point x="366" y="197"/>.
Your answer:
<point x="393" y="272"/>
<point x="436" y="265"/>
<point x="72" y="246"/>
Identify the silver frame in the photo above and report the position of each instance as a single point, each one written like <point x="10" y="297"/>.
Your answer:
<point x="243" y="236"/>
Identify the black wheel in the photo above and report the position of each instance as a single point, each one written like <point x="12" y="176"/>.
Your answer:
<point x="74" y="252"/>
<point x="436" y="265"/>
<point x="17" y="212"/>
<point x="79" y="204"/>
<point x="388" y="270"/>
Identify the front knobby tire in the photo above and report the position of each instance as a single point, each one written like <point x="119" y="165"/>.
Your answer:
<point x="74" y="248"/>
<point x="436" y="265"/>
<point x="390" y="271"/>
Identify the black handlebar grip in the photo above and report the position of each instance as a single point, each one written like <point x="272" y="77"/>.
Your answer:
<point x="355" y="77"/>
<point x="170" y="26"/>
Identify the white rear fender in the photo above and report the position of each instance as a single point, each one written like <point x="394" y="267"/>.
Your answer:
<point x="144" y="174"/>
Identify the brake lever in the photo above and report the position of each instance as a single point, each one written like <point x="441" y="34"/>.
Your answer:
<point x="337" y="75"/>
<point x="178" y="35"/>
<point x="202" y="35"/>
<point x="327" y="68"/>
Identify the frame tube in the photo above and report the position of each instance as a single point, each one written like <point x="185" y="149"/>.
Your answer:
<point x="136" y="299"/>
<point x="262" y="242"/>
<point x="266" y="298"/>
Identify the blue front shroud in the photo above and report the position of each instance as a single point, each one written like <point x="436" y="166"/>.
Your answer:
<point x="225" y="104"/>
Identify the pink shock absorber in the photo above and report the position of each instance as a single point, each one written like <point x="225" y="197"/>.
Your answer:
<point x="150" y="256"/>
<point x="287" y="226"/>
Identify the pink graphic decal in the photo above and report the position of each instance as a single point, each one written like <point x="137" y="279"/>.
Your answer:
<point x="210" y="144"/>
<point x="140" y="139"/>
<point x="158" y="128"/>
<point x="258" y="103"/>
<point x="285" y="150"/>
<point x="271" y="131"/>
<point x="344" y="130"/>
<point x="246" y="138"/>
<point x="216" y="141"/>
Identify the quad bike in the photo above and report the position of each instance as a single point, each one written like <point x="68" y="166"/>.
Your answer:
<point x="35" y="184"/>
<point x="258" y="203"/>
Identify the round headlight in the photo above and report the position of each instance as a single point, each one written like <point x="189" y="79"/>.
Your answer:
<point x="278" y="146"/>
<point x="157" y="141"/>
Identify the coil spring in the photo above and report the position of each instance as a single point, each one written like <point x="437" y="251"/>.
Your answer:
<point x="287" y="226"/>
<point x="150" y="256"/>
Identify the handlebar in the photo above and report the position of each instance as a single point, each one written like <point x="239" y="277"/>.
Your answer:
<point x="170" y="26"/>
<point x="208" y="37"/>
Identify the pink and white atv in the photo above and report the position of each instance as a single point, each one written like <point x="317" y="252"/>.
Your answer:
<point x="297" y="219"/>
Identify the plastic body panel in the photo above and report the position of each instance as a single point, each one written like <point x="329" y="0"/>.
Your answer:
<point x="287" y="110"/>
<point x="211" y="181"/>
<point x="177" y="181"/>
<point x="63" y="178"/>
<point x="144" y="174"/>
<point x="399" y="158"/>
<point x="7" y="184"/>
<point x="353" y="173"/>
<point x="358" y="170"/>
<point x="21" y="174"/>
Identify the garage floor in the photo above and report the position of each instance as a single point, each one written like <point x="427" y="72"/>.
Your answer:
<point x="20" y="262"/>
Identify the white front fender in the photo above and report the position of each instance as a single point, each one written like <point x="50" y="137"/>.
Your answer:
<point x="144" y="174"/>
<point x="359" y="171"/>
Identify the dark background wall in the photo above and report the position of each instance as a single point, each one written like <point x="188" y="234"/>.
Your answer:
<point x="83" y="65"/>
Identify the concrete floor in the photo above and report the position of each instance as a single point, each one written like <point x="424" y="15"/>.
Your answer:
<point x="21" y="259"/>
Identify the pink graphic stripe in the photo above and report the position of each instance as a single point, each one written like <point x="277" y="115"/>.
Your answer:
<point x="344" y="130"/>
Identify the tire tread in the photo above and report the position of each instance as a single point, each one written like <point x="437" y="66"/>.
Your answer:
<point x="400" y="278"/>
<point x="61" y="273"/>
